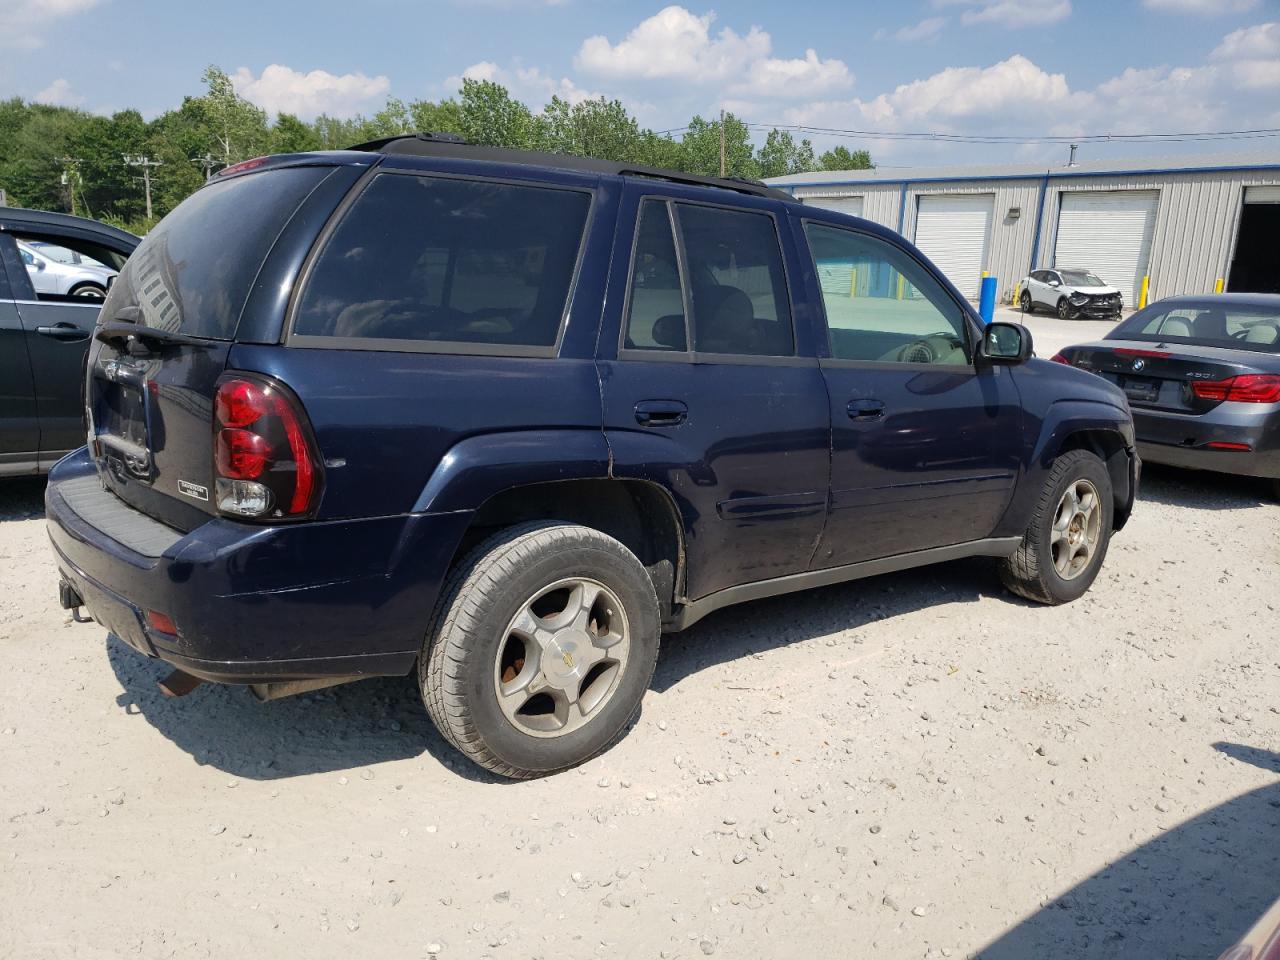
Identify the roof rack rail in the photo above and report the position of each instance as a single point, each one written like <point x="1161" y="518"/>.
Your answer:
<point x="451" y="145"/>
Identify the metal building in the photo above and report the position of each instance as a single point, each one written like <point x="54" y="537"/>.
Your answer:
<point x="1184" y="223"/>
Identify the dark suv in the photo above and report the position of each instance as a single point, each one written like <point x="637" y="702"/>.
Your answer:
<point x="507" y="417"/>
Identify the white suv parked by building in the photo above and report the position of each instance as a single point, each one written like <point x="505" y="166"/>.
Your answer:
<point x="1071" y="294"/>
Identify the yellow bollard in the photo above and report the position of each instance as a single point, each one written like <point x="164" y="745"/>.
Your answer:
<point x="901" y="281"/>
<point x="1217" y="287"/>
<point x="1017" y="288"/>
<point x="1142" y="297"/>
<point x="853" y="281"/>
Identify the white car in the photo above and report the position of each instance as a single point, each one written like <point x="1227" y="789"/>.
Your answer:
<point x="1071" y="294"/>
<point x="52" y="278"/>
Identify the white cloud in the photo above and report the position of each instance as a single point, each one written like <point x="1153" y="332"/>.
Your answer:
<point x="969" y="91"/>
<point x="59" y="94"/>
<point x="924" y="30"/>
<point x="281" y="89"/>
<point x="794" y="78"/>
<point x="1200" y="6"/>
<point x="1010" y="13"/>
<point x="23" y="23"/>
<point x="1252" y="55"/>
<point x="675" y="44"/>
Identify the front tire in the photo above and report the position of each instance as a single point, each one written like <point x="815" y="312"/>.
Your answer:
<point x="1028" y="305"/>
<point x="1064" y="309"/>
<point x="1064" y="545"/>
<point x="542" y="645"/>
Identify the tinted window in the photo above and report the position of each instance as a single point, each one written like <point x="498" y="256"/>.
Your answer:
<point x="737" y="286"/>
<point x="439" y="260"/>
<point x="194" y="271"/>
<point x="1211" y="325"/>
<point x="655" y="313"/>
<point x="882" y="304"/>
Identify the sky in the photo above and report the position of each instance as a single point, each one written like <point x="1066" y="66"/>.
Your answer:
<point x="1021" y="68"/>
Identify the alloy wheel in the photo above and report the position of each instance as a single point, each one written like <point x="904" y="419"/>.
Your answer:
<point x="561" y="657"/>
<point x="1077" y="525"/>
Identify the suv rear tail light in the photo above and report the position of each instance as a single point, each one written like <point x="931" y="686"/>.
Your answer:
<point x="1246" y="388"/>
<point x="265" y="459"/>
<point x="1059" y="358"/>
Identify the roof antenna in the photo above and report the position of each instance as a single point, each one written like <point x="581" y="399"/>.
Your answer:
<point x="1071" y="160"/>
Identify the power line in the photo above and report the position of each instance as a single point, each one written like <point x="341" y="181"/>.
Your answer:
<point x="944" y="137"/>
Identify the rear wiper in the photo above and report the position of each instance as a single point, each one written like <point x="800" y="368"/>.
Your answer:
<point x="139" y="336"/>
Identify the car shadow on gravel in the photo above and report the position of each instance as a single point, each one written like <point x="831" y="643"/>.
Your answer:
<point x="21" y="498"/>
<point x="337" y="729"/>
<point x="737" y="632"/>
<point x="1189" y="893"/>
<point x="1201" y="490"/>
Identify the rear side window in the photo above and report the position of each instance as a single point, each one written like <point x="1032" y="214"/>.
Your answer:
<point x="193" y="272"/>
<point x="655" y="315"/>
<point x="737" y="285"/>
<point x="434" y="260"/>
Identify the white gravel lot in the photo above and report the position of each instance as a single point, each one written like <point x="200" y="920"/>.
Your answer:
<point x="912" y="766"/>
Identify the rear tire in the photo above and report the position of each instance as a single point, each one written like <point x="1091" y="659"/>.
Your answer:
<point x="89" y="291"/>
<point x="1028" y="305"/>
<point x="1057" y="533"/>
<point x="522" y="670"/>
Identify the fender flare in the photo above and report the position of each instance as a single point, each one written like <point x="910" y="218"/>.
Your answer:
<point x="477" y="468"/>
<point x="1062" y="420"/>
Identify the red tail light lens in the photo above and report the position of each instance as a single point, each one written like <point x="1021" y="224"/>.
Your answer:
<point x="266" y="461"/>
<point x="1246" y="388"/>
<point x="1227" y="445"/>
<point x="1059" y="358"/>
<point x="242" y="166"/>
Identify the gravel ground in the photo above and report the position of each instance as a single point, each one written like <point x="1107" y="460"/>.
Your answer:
<point x="916" y="765"/>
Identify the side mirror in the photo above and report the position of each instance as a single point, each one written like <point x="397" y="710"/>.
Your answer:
<point x="1006" y="343"/>
<point x="40" y="264"/>
<point x="1054" y="283"/>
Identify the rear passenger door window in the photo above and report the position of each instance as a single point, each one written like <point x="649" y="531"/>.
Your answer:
<point x="881" y="304"/>
<point x="736" y="282"/>
<point x="449" y="265"/>
<point x="708" y="277"/>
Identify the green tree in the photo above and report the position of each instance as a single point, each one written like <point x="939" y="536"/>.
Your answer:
<point x="491" y="116"/>
<point x="701" y="148"/>
<point x="842" y="158"/>
<point x="442" y="117"/>
<point x="781" y="155"/>
<point x="591" y="128"/>
<point x="291" y="135"/>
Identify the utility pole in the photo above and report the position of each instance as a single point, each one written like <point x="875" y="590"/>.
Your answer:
<point x="208" y="162"/>
<point x="71" y="177"/>
<point x="147" y="165"/>
<point x="721" y="143"/>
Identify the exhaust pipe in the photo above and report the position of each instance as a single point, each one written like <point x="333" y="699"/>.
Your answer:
<point x="288" y="688"/>
<point x="179" y="684"/>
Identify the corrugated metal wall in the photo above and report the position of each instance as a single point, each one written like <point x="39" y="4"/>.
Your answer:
<point x="1197" y="217"/>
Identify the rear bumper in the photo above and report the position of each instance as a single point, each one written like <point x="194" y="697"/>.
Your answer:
<point x="255" y="604"/>
<point x="1182" y="440"/>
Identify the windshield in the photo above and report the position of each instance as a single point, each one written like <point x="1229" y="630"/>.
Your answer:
<point x="1245" y="327"/>
<point x="1081" y="278"/>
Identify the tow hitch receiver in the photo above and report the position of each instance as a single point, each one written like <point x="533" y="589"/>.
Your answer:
<point x="70" y="599"/>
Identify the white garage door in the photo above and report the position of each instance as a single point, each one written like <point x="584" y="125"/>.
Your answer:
<point x="954" y="233"/>
<point x="850" y="205"/>
<point x="1108" y="233"/>
<point x="1262" y="194"/>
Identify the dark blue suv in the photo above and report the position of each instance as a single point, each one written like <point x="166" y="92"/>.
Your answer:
<point x="506" y="418"/>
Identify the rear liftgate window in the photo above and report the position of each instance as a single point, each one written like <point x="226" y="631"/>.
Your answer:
<point x="193" y="272"/>
<point x="429" y="260"/>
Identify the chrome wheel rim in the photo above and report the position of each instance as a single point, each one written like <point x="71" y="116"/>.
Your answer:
<point x="1026" y="302"/>
<point x="1077" y="525"/>
<point x="561" y="657"/>
<point x="1063" y="310"/>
